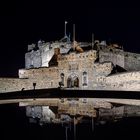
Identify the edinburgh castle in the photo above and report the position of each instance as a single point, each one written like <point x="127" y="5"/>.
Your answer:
<point x="78" y="65"/>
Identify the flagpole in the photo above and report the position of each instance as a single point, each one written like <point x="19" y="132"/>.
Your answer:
<point x="65" y="33"/>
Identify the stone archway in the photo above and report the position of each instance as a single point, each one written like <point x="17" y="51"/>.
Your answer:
<point x="73" y="81"/>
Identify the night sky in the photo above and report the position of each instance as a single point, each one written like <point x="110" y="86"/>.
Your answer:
<point x="25" y="22"/>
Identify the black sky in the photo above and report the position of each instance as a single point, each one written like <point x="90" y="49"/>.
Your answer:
<point x="25" y="22"/>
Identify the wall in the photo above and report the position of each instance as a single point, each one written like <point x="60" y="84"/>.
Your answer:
<point x="127" y="60"/>
<point x="116" y="56"/>
<point x="46" y="57"/>
<point x="100" y="71"/>
<point x="75" y="64"/>
<point x="43" y="77"/>
<point x="33" y="59"/>
<point x="132" y="61"/>
<point x="44" y="72"/>
<point x="11" y="84"/>
<point x="123" y="81"/>
<point x="42" y="56"/>
<point x="71" y="65"/>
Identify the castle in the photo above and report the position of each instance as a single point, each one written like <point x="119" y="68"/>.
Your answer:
<point x="77" y="65"/>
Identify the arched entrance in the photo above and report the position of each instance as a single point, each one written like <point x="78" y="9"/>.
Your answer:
<point x="73" y="81"/>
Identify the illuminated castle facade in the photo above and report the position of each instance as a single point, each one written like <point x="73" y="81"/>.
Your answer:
<point x="80" y="65"/>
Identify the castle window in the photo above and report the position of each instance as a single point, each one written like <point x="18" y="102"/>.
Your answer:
<point x="51" y="84"/>
<point x="84" y="78"/>
<point x="62" y="78"/>
<point x="111" y="50"/>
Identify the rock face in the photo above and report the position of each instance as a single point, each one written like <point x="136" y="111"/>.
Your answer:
<point x="98" y="67"/>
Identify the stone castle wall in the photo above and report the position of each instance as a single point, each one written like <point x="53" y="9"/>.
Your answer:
<point x="13" y="84"/>
<point x="33" y="59"/>
<point x="80" y="67"/>
<point x="131" y="61"/>
<point x="100" y="71"/>
<point x="70" y="65"/>
<point x="40" y="57"/>
<point x="127" y="60"/>
<point x="124" y="81"/>
<point x="100" y="81"/>
<point x="115" y="56"/>
<point x="44" y="72"/>
<point x="74" y="65"/>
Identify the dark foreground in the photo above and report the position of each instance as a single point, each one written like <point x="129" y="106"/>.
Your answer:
<point x="15" y="125"/>
<point x="70" y="93"/>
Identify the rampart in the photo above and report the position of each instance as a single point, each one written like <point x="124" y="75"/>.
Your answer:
<point x="116" y="56"/>
<point x="123" y="81"/>
<point x="39" y="73"/>
<point x="13" y="84"/>
<point x="131" y="61"/>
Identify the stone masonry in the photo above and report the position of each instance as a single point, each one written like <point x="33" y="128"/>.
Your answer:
<point x="60" y="63"/>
